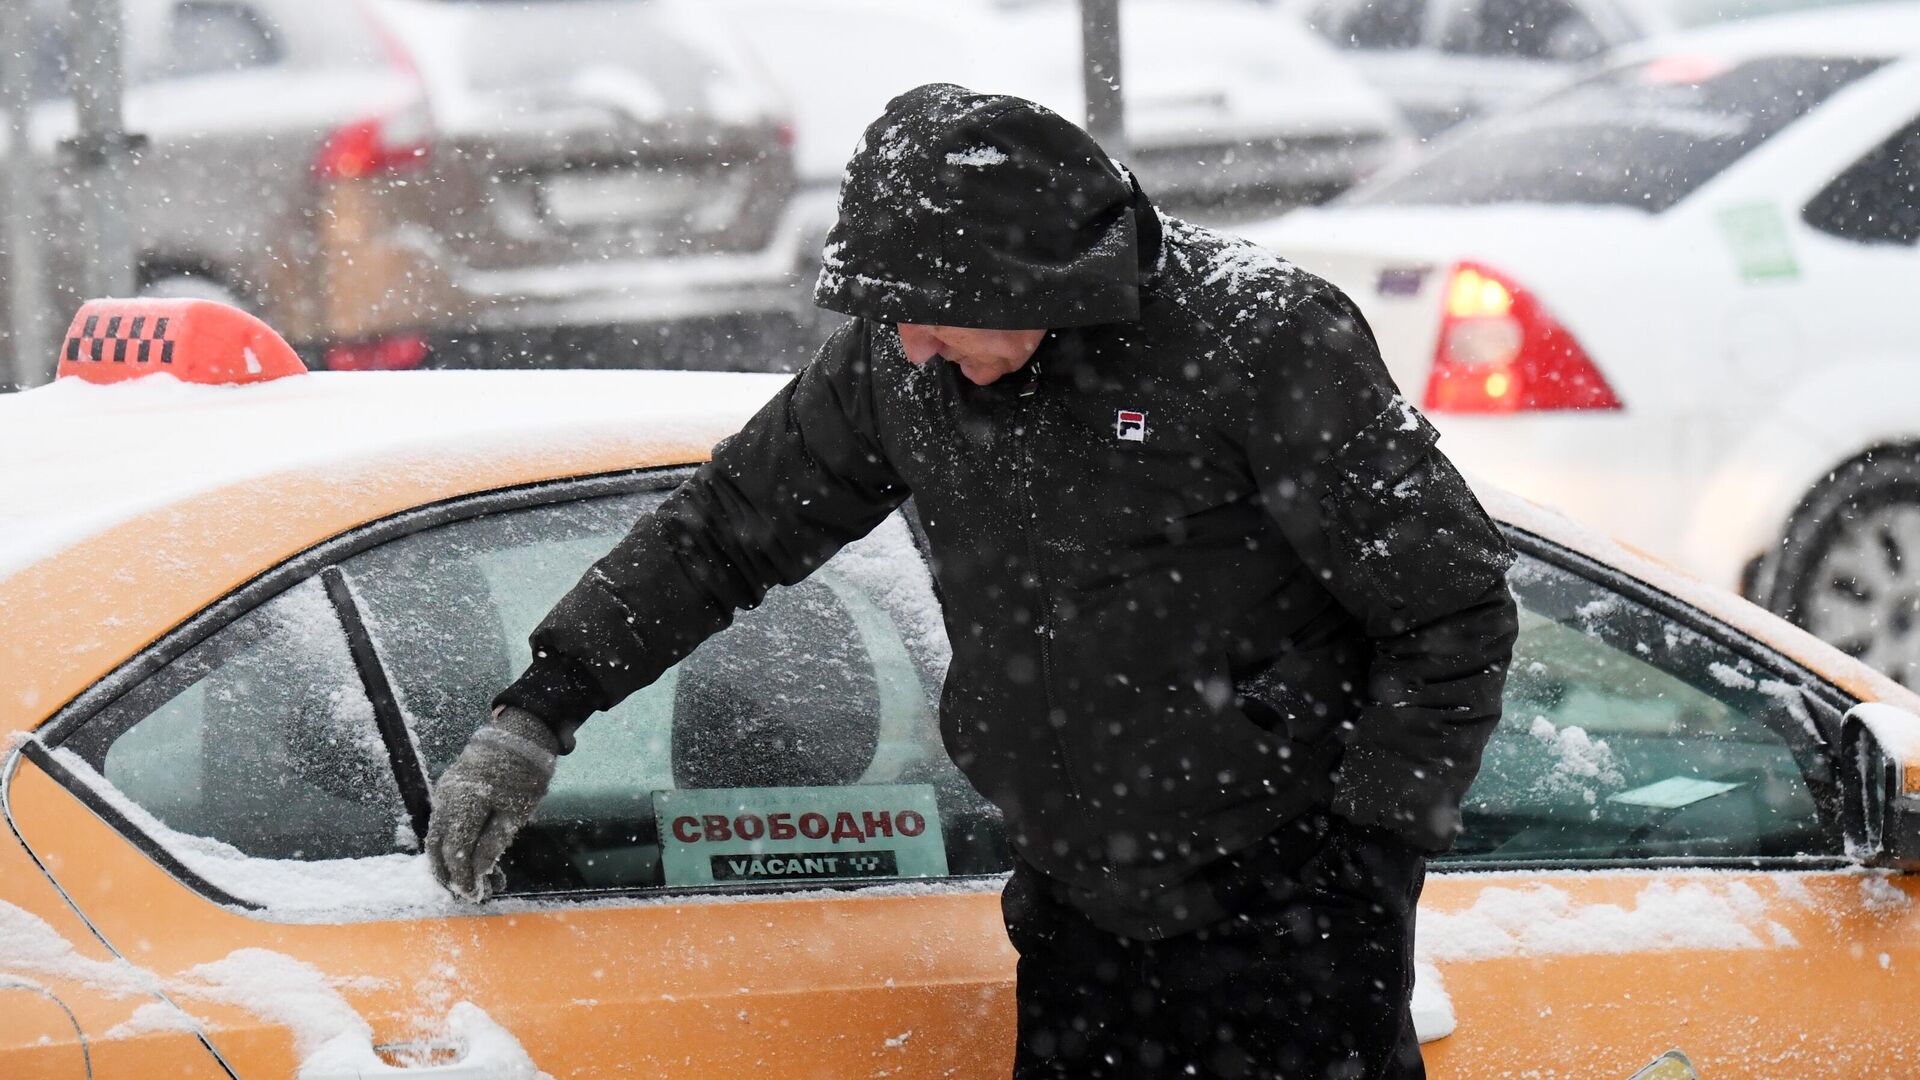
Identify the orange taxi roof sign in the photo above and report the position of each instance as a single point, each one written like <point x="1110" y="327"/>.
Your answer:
<point x="198" y="341"/>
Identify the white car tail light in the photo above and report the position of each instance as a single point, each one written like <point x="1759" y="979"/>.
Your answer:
<point x="396" y="141"/>
<point x="377" y="146"/>
<point x="1501" y="352"/>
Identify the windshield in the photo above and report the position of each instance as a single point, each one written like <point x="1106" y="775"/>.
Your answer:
<point x="1643" y="136"/>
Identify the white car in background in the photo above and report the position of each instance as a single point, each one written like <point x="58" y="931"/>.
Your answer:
<point x="1444" y="62"/>
<point x="1231" y="112"/>
<point x="1681" y="300"/>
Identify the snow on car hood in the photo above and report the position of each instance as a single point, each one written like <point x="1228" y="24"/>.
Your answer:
<point x="81" y="458"/>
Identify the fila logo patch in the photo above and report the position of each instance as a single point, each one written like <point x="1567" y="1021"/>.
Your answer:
<point x="1130" y="426"/>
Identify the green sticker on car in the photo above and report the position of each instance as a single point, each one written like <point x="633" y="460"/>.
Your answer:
<point x="1758" y="238"/>
<point x="720" y="836"/>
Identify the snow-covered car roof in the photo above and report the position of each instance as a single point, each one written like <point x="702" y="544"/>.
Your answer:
<point x="126" y="509"/>
<point x="79" y="457"/>
<point x="1882" y="30"/>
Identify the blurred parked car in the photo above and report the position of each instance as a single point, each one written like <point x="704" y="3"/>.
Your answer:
<point x="1229" y="112"/>
<point x="231" y="681"/>
<point x="1444" y="62"/>
<point x="447" y="181"/>
<point x="1678" y="300"/>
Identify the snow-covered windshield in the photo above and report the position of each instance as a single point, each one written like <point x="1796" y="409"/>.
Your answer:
<point x="1645" y="135"/>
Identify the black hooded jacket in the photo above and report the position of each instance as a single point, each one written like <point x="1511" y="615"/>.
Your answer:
<point x="1202" y="567"/>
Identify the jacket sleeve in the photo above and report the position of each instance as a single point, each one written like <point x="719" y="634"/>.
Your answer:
<point x="805" y="476"/>
<point x="1350" y="471"/>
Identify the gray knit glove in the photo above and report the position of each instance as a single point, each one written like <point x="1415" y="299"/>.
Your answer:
<point x="483" y="799"/>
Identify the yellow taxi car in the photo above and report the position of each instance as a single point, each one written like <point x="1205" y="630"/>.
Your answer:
<point x="243" y="626"/>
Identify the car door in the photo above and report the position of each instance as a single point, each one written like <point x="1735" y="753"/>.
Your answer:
<point x="1654" y="860"/>
<point x="763" y="862"/>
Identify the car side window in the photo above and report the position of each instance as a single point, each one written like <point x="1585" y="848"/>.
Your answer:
<point x="259" y="737"/>
<point x="1877" y="199"/>
<point x="799" y="744"/>
<point x="207" y="37"/>
<point x="1629" y="736"/>
<point x="1372" y="24"/>
<point x="1550" y="30"/>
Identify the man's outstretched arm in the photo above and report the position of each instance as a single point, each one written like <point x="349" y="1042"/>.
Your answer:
<point x="1350" y="471"/>
<point x="804" y="477"/>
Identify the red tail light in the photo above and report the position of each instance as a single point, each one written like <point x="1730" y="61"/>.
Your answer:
<point x="394" y="142"/>
<point x="398" y="352"/>
<point x="382" y="145"/>
<point x="1500" y="352"/>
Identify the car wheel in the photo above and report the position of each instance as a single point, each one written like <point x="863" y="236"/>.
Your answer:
<point x="1849" y="569"/>
<point x="193" y="287"/>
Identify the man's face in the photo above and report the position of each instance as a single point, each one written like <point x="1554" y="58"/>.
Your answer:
<point x="983" y="355"/>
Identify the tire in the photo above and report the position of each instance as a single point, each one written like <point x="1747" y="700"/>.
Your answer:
<point x="1848" y="569"/>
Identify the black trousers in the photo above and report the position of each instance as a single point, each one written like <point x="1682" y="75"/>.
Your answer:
<point x="1310" y="978"/>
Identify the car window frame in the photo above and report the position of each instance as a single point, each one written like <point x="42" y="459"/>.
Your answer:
<point x="1827" y="704"/>
<point x="321" y="562"/>
<point x="1813" y="209"/>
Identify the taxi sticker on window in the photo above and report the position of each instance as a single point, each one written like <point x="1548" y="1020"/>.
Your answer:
<point x="1758" y="239"/>
<point x="1672" y="793"/>
<point x="718" y="836"/>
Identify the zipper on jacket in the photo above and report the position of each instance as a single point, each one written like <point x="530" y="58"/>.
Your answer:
<point x="1029" y="419"/>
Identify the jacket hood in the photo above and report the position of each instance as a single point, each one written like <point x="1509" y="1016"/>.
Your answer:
<point x="982" y="210"/>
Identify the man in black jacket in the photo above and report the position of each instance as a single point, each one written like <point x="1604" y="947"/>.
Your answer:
<point x="1228" y="632"/>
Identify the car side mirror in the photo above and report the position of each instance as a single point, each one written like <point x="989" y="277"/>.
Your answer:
<point x="1880" y="781"/>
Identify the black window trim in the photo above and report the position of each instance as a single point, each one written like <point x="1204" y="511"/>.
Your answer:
<point x="403" y="757"/>
<point x="1811" y="211"/>
<point x="1828" y="703"/>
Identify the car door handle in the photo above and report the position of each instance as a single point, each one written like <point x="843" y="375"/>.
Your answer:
<point x="378" y="1069"/>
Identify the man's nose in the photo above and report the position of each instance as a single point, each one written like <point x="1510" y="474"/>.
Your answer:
<point x="920" y="342"/>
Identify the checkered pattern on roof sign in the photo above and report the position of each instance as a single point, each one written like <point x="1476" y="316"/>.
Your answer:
<point x="121" y="339"/>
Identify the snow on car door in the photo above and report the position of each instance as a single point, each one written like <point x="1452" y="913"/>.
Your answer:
<point x="251" y="846"/>
<point x="1653" y="860"/>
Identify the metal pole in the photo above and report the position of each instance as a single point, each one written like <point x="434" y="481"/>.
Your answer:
<point x="1100" y="73"/>
<point x="29" y="339"/>
<point x="101" y="153"/>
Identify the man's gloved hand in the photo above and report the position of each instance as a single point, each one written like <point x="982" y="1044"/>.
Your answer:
<point x="484" y="797"/>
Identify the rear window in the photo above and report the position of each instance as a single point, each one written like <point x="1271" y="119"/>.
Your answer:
<point x="1643" y="136"/>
